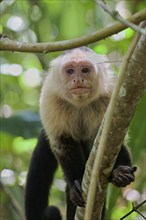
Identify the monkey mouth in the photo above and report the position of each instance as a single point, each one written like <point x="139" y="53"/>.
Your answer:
<point x="80" y="90"/>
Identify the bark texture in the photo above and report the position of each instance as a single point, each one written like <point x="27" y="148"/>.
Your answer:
<point x="130" y="94"/>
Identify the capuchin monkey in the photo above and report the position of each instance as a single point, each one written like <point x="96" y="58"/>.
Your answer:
<point x="74" y="98"/>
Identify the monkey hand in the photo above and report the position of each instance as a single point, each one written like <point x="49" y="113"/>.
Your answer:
<point x="122" y="175"/>
<point x="76" y="194"/>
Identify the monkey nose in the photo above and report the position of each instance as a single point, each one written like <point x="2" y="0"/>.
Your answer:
<point x="79" y="80"/>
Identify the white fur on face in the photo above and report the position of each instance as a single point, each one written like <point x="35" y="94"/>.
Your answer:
<point x="77" y="113"/>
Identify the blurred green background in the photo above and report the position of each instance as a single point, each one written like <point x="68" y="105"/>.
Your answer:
<point x="21" y="78"/>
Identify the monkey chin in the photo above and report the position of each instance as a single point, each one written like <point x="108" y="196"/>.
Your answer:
<point x="80" y="93"/>
<point x="80" y="97"/>
<point x="80" y="100"/>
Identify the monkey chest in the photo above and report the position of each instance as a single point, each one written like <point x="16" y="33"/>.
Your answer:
<point x="83" y="126"/>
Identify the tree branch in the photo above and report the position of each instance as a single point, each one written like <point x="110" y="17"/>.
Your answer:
<point x="106" y="129"/>
<point x="134" y="209"/>
<point x="14" y="202"/>
<point x="117" y="16"/>
<point x="8" y="45"/>
<point x="130" y="93"/>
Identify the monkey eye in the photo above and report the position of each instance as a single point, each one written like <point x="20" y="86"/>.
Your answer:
<point x="70" y="71"/>
<point x="85" y="70"/>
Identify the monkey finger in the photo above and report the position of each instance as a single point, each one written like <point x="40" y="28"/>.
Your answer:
<point x="126" y="173"/>
<point x="78" y="185"/>
<point x="130" y="176"/>
<point x="76" y="196"/>
<point x="120" y="183"/>
<point x="117" y="181"/>
<point x="125" y="178"/>
<point x="78" y="199"/>
<point x="122" y="180"/>
<point x="126" y="169"/>
<point x="134" y="168"/>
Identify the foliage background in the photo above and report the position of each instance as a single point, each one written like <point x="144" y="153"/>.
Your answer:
<point x="21" y="78"/>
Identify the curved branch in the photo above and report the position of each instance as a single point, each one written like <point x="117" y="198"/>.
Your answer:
<point x="130" y="93"/>
<point x="14" y="202"/>
<point x="9" y="45"/>
<point x="117" y="16"/>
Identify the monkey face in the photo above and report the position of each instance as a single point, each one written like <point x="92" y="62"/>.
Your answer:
<point x="78" y="78"/>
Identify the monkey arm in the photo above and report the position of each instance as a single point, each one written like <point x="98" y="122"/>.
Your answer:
<point x="124" y="157"/>
<point x="123" y="172"/>
<point x="42" y="167"/>
<point x="71" y="158"/>
<point x="70" y="155"/>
